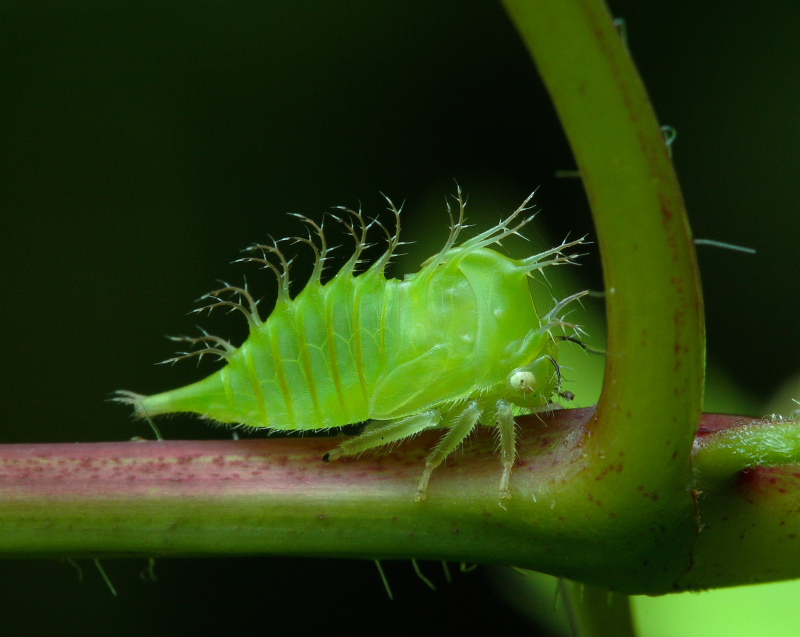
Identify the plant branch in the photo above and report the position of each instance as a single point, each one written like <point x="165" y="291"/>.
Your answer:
<point x="179" y="498"/>
<point x="653" y="383"/>
<point x="720" y="454"/>
<point x="748" y="498"/>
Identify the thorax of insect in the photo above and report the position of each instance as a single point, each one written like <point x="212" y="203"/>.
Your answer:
<point x="453" y="345"/>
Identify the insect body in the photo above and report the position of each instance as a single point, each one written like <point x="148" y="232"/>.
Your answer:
<point x="456" y="344"/>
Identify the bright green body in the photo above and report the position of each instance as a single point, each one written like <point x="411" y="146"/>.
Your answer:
<point x="361" y="348"/>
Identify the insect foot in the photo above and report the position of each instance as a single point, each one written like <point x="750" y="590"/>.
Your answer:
<point x="456" y="344"/>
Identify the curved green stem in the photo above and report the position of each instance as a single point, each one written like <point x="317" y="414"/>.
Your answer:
<point x="653" y="384"/>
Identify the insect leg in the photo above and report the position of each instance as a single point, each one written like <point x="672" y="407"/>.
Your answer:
<point x="508" y="444"/>
<point x="384" y="433"/>
<point x="462" y="427"/>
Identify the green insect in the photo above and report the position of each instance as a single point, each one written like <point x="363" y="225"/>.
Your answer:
<point x="456" y="344"/>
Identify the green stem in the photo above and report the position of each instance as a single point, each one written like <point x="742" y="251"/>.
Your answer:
<point x="748" y="502"/>
<point x="277" y="496"/>
<point x="653" y="384"/>
<point x="720" y="455"/>
<point x="180" y="498"/>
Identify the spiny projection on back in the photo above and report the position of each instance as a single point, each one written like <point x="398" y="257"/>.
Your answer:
<point x="453" y="345"/>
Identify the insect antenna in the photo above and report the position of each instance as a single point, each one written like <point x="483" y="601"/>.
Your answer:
<point x="281" y="273"/>
<point x="558" y="370"/>
<point x="586" y="348"/>
<point x="564" y="394"/>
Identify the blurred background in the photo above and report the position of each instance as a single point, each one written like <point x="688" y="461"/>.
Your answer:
<point x="142" y="145"/>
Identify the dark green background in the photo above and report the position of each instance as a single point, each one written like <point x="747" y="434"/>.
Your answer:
<point x="143" y="144"/>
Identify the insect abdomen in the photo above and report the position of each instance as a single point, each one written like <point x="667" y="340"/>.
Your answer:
<point x="312" y="364"/>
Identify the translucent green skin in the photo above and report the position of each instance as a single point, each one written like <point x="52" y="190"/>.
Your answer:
<point x="364" y="347"/>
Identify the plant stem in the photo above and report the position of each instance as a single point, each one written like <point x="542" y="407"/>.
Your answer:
<point x="277" y="496"/>
<point x="180" y="498"/>
<point x="748" y="502"/>
<point x="720" y="455"/>
<point x="653" y="383"/>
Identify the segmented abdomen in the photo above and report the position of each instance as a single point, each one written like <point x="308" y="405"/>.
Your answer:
<point x="315" y="362"/>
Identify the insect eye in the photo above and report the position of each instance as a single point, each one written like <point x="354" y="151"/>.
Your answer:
<point x="522" y="381"/>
